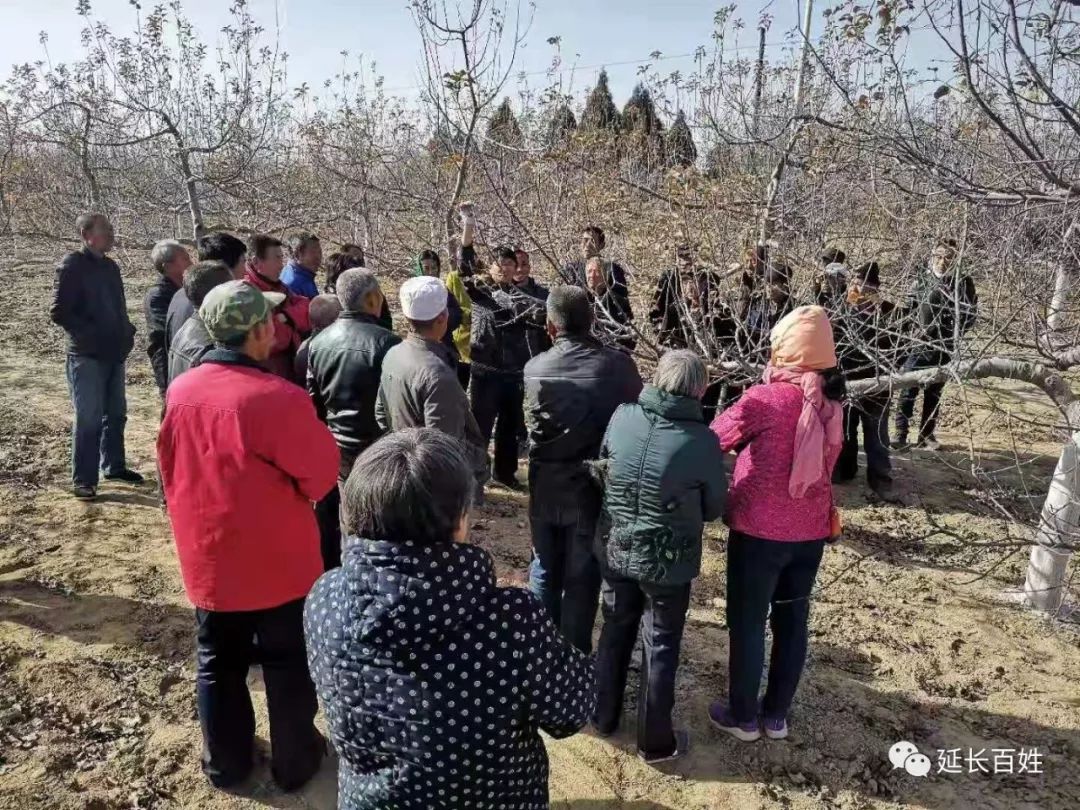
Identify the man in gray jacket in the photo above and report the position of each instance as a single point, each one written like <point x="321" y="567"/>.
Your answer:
<point x="418" y="386"/>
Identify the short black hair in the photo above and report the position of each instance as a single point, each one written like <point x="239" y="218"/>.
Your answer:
<point x="834" y="256"/>
<point x="201" y="278"/>
<point x="570" y="310"/>
<point x="505" y="253"/>
<point x="869" y="274"/>
<point x="221" y="247"/>
<point x="260" y="243"/>
<point x="301" y="240"/>
<point x="597" y="232"/>
<point x="432" y="256"/>
<point x="339" y="263"/>
<point x="411" y="485"/>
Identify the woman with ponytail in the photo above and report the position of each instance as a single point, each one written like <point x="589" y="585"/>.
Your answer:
<point x="787" y="432"/>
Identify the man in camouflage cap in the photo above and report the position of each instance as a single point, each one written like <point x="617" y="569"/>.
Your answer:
<point x="242" y="457"/>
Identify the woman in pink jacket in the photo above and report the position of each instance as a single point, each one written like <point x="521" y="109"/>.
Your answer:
<point x="787" y="433"/>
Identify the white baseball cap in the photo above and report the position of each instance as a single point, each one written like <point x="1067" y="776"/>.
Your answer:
<point x="423" y="298"/>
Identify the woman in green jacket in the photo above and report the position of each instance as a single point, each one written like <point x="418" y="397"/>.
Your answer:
<point x="664" y="480"/>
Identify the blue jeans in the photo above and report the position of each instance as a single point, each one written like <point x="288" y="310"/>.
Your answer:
<point x="100" y="402"/>
<point x="768" y="579"/>
<point x="565" y="575"/>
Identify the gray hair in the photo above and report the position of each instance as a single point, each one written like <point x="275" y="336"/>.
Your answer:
<point x="413" y="485"/>
<point x="164" y="252"/>
<point x="569" y="310"/>
<point x="301" y="241"/>
<point x="682" y="373"/>
<point x="323" y="311"/>
<point x="353" y="286"/>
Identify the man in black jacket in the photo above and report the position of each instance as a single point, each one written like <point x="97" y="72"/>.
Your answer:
<point x="217" y="247"/>
<point x="345" y="364"/>
<point x="90" y="305"/>
<point x="942" y="305"/>
<point x="571" y="391"/>
<point x="607" y="285"/>
<point x="170" y="259"/>
<point x="502" y="316"/>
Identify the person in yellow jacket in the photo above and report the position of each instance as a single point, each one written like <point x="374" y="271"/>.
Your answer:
<point x="459" y="307"/>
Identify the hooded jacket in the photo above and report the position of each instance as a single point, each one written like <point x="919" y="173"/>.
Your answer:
<point x="435" y="682"/>
<point x="664" y="480"/>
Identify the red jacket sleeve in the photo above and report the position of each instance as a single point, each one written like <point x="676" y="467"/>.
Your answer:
<point x="291" y="437"/>
<point x="740" y="423"/>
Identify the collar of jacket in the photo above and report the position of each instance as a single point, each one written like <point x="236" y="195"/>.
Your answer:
<point x="168" y="283"/>
<point x="232" y="357"/>
<point x="296" y="266"/>
<point x="577" y="340"/>
<point x="258" y="280"/>
<point x="436" y="347"/>
<point x="670" y="406"/>
<point x="362" y="317"/>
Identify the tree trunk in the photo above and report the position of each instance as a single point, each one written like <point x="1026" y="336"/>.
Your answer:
<point x="198" y="229"/>
<point x="1044" y="588"/>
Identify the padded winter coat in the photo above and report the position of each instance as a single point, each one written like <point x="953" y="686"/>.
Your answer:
<point x="664" y="480"/>
<point x="435" y="683"/>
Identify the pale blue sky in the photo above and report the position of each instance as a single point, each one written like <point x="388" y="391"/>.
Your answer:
<point x="619" y="34"/>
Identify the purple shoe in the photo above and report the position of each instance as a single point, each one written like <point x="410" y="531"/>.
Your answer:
<point x="776" y="728"/>
<point x="721" y="717"/>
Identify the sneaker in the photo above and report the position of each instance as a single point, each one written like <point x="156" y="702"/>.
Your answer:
<point x="125" y="475"/>
<point x="930" y="443"/>
<point x="776" y="728"/>
<point x="721" y="717"/>
<point x="682" y="745"/>
<point x="84" y="492"/>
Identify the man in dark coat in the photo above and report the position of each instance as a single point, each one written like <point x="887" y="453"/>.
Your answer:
<point x="571" y="390"/>
<point x="193" y="341"/>
<point x="499" y="347"/>
<point x="864" y="328"/>
<point x="942" y="306"/>
<point x="344" y="367"/>
<point x="606" y="283"/>
<point x="90" y="305"/>
<point x="170" y="259"/>
<point x="217" y="247"/>
<point x="664" y="479"/>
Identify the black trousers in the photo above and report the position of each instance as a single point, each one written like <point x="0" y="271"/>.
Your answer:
<point x="872" y="413"/>
<point x="931" y="399"/>
<point x="498" y="402"/>
<point x="229" y="643"/>
<point x="328" y="515"/>
<point x="332" y="554"/>
<point x="661" y="612"/>
<point x="463" y="374"/>
<point x="768" y="579"/>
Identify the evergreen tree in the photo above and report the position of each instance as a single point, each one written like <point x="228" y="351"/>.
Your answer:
<point x="503" y="127"/>
<point x="644" y="131"/>
<point x="561" y="126"/>
<point x="679" y="145"/>
<point x="600" y="111"/>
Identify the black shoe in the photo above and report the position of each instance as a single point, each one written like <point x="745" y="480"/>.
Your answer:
<point x="900" y="444"/>
<point x="682" y="745"/>
<point x="84" y="492"/>
<point x="125" y="475"/>
<point x="885" y="492"/>
<point x="930" y="443"/>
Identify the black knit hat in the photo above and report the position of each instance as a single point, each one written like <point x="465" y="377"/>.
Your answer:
<point x="869" y="274"/>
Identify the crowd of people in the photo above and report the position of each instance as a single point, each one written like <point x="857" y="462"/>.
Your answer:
<point x="320" y="471"/>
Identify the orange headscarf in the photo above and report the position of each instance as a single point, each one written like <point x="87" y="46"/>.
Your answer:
<point x="803" y="346"/>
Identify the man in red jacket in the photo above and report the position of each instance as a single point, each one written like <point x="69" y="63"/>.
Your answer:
<point x="242" y="457"/>
<point x="292" y="322"/>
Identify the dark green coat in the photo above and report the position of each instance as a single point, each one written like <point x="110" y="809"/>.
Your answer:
<point x="664" y="479"/>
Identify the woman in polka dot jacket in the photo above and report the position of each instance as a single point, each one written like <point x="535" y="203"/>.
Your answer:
<point x="434" y="681"/>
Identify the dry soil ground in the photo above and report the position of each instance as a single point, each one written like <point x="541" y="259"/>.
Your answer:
<point x="96" y="679"/>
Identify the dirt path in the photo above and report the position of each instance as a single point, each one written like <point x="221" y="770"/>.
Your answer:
<point x="96" y="675"/>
